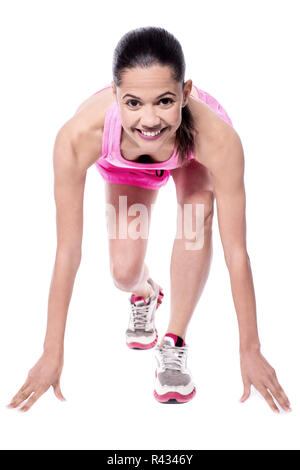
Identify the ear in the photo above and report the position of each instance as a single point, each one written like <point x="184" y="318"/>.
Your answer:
<point x="186" y="92"/>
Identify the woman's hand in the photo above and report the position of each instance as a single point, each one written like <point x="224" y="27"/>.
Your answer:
<point x="257" y="371"/>
<point x="46" y="372"/>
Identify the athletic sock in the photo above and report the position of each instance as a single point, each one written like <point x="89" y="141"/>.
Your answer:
<point x="176" y="340"/>
<point x="135" y="299"/>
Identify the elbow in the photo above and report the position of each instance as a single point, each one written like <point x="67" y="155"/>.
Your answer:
<point x="237" y="257"/>
<point x="69" y="255"/>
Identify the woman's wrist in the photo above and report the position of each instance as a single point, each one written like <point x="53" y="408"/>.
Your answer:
<point x="53" y="348"/>
<point x="252" y="347"/>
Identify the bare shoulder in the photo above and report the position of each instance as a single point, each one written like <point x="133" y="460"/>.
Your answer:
<point x="215" y="138"/>
<point x="85" y="128"/>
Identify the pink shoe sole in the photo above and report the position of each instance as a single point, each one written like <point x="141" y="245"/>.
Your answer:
<point x="174" y="396"/>
<point x="136" y="345"/>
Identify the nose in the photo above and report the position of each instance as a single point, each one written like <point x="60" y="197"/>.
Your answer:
<point x="150" y="120"/>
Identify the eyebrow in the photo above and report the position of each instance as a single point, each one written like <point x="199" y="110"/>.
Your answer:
<point x="163" y="94"/>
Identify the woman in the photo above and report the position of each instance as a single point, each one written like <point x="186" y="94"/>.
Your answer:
<point x="150" y="124"/>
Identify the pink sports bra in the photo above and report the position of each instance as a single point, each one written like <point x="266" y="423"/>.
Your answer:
<point x="112" y="134"/>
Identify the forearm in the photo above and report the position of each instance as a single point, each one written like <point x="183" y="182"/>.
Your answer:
<point x="243" y="294"/>
<point x="64" y="273"/>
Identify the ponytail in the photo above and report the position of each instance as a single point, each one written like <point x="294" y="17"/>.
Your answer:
<point x="185" y="140"/>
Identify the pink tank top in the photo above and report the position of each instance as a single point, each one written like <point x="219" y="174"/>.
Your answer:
<point x="112" y="134"/>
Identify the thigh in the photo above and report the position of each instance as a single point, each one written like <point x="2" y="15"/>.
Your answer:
<point x="128" y="215"/>
<point x="193" y="183"/>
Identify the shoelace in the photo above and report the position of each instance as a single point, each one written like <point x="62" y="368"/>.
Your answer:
<point x="140" y="314"/>
<point x="172" y="357"/>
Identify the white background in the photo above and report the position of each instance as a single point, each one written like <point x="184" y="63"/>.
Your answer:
<point x="53" y="56"/>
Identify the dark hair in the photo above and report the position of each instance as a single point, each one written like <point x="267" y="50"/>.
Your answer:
<point x="147" y="46"/>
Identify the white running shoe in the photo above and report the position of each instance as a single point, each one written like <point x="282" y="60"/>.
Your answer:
<point x="173" y="381"/>
<point x="141" y="332"/>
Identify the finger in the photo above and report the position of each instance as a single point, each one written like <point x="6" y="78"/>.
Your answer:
<point x="282" y="392"/>
<point x="24" y="386"/>
<point x="246" y="394"/>
<point x="34" y="397"/>
<point x="278" y="393"/>
<point x="267" y="396"/>
<point x="21" y="396"/>
<point x="58" y="392"/>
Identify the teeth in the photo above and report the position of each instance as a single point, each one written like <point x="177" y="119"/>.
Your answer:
<point x="150" y="134"/>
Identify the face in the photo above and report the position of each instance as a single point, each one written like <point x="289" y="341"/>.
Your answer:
<point x="151" y="101"/>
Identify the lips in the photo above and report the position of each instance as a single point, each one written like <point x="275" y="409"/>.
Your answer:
<point x="148" y="137"/>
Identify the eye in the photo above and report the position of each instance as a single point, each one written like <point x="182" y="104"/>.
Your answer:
<point x="132" y="101"/>
<point x="168" y="99"/>
<point x="166" y="102"/>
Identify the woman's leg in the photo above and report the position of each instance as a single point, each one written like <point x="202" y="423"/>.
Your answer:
<point x="190" y="268"/>
<point x="127" y="253"/>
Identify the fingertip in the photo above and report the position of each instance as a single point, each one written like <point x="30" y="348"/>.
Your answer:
<point x="23" y="410"/>
<point x="245" y="396"/>
<point x="11" y="405"/>
<point x="60" y="397"/>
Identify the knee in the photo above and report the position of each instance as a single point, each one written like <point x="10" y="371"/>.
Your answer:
<point x="125" y="275"/>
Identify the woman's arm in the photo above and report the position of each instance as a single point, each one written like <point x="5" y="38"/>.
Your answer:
<point x="227" y="169"/>
<point x="69" y="183"/>
<point x="69" y="176"/>
<point x="228" y="179"/>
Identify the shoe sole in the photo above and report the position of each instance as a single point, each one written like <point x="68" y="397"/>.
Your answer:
<point x="174" y="397"/>
<point x="137" y="345"/>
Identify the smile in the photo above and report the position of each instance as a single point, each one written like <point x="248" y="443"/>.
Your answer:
<point x="150" y="135"/>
